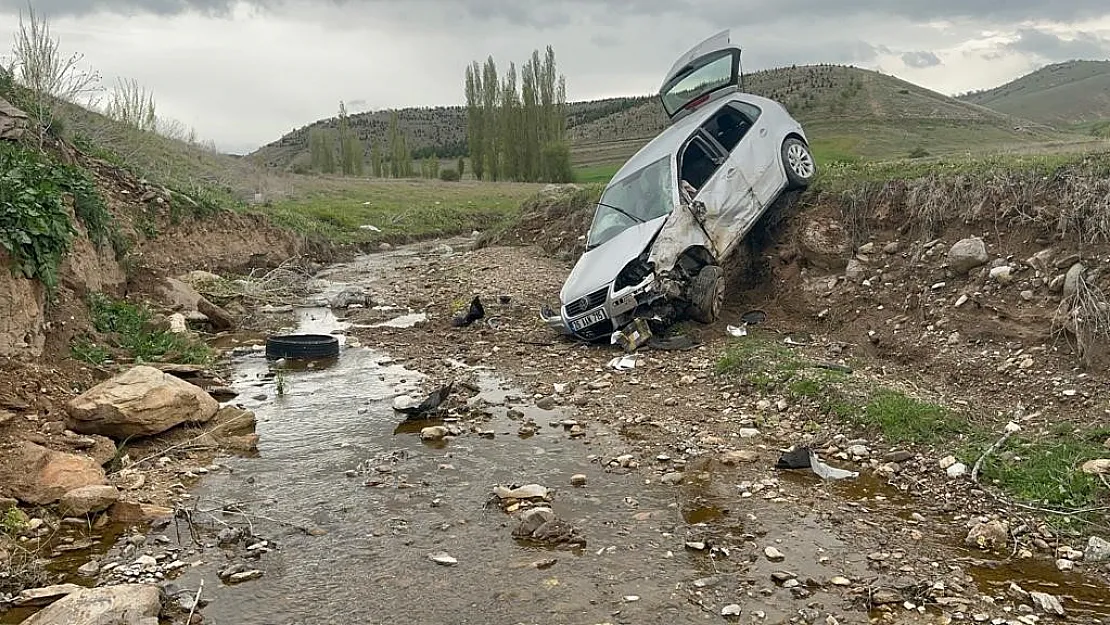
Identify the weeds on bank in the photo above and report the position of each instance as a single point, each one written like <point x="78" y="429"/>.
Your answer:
<point x="1043" y="468"/>
<point x="12" y="522"/>
<point x="1040" y="469"/>
<point x="132" y="328"/>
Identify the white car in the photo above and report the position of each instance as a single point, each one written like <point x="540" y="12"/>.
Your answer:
<point x="676" y="211"/>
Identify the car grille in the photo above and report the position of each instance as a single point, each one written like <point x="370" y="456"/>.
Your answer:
<point x="597" y="330"/>
<point x="593" y="300"/>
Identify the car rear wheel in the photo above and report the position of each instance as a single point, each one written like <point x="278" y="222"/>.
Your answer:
<point x="798" y="162"/>
<point x="707" y="294"/>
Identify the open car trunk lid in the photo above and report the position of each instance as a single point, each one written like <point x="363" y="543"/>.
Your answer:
<point x="709" y="69"/>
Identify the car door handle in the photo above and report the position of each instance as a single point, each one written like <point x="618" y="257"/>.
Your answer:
<point x="763" y="132"/>
<point x="731" y="172"/>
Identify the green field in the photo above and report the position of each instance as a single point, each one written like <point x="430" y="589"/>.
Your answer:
<point x="363" y="211"/>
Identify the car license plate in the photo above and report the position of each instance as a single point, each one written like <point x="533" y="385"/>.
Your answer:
<point x="597" y="316"/>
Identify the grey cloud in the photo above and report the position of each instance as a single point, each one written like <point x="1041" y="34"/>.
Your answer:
<point x="555" y="13"/>
<point x="921" y="59"/>
<point x="1055" y="48"/>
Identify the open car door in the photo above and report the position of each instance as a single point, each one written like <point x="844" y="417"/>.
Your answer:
<point x="705" y="72"/>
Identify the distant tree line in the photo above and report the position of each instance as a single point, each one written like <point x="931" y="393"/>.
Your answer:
<point x="517" y="130"/>
<point x="339" y="150"/>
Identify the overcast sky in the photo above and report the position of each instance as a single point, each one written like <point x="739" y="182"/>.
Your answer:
<point x="244" y="73"/>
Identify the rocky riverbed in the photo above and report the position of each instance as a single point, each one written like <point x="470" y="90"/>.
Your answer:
<point x="553" y="486"/>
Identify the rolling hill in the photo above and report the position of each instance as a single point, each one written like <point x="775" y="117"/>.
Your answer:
<point x="1063" y="94"/>
<point x="849" y="113"/>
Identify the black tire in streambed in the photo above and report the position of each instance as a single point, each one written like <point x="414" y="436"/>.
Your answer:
<point x="302" y="346"/>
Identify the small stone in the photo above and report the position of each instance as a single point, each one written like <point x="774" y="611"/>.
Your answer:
<point x="840" y="580"/>
<point x="741" y="456"/>
<point x="89" y="569"/>
<point x="956" y="470"/>
<point x="989" y="535"/>
<point x="244" y="576"/>
<point x="1003" y="274"/>
<point x="1097" y="467"/>
<point x="747" y="432"/>
<point x="547" y="403"/>
<point x="673" y="479"/>
<point x="731" y="609"/>
<point x="1098" y="550"/>
<point x="773" y="554"/>
<point x="1028" y="295"/>
<point x="578" y="480"/>
<point x="1064" y="564"/>
<point x="1047" y="603"/>
<point x="947" y="461"/>
<point x="434" y="433"/>
<point x="442" y="558"/>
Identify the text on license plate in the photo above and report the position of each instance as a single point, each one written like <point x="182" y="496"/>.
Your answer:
<point x="597" y="316"/>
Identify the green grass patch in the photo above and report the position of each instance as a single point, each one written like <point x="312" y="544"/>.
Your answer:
<point x="838" y="177"/>
<point x="905" y="419"/>
<point x="131" y="327"/>
<point x="361" y="211"/>
<point x="1044" y="470"/>
<point x="769" y="366"/>
<point x="597" y="173"/>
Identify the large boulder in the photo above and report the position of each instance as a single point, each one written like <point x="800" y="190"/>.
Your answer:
<point x="966" y="255"/>
<point x="126" y="604"/>
<point x="140" y="402"/>
<point x="41" y="476"/>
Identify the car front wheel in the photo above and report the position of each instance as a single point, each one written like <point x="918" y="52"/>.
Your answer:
<point x="798" y="162"/>
<point x="707" y="294"/>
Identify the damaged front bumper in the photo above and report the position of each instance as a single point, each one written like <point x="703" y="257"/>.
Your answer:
<point x="602" y="312"/>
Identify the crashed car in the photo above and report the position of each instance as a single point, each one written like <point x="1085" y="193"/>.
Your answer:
<point x="677" y="210"/>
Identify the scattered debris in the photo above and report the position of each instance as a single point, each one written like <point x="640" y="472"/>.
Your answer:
<point x="474" y="313"/>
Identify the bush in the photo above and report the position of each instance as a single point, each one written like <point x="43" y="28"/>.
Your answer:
<point x="35" y="229"/>
<point x="450" y="175"/>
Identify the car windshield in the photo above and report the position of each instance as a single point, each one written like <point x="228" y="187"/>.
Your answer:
<point x="642" y="196"/>
<point x="709" y="77"/>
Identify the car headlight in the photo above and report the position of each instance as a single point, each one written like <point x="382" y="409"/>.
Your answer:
<point x="634" y="273"/>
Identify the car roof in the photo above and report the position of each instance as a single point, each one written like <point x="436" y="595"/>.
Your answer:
<point x="667" y="142"/>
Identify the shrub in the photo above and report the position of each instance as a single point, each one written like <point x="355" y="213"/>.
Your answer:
<point x="35" y="229"/>
<point x="450" y="175"/>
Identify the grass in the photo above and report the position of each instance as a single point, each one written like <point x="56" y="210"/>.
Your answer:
<point x="131" y="327"/>
<point x="1041" y="469"/>
<point x="596" y="173"/>
<point x="364" y="211"/>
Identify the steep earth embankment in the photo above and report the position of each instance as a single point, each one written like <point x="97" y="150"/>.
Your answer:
<point x="151" y="229"/>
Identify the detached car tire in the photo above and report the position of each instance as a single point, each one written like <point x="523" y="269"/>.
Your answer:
<point x="707" y="294"/>
<point x="302" y="346"/>
<point x="798" y="162"/>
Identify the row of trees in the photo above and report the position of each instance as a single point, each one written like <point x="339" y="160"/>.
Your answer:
<point x="340" y="150"/>
<point x="516" y="130"/>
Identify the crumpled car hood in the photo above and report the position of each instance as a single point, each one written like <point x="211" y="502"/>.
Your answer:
<point x="600" y="266"/>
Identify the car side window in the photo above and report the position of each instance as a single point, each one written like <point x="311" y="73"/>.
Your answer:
<point x="729" y="126"/>
<point x="698" y="163"/>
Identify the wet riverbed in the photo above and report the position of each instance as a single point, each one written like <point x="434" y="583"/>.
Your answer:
<point x="335" y="457"/>
<point x="355" y="503"/>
